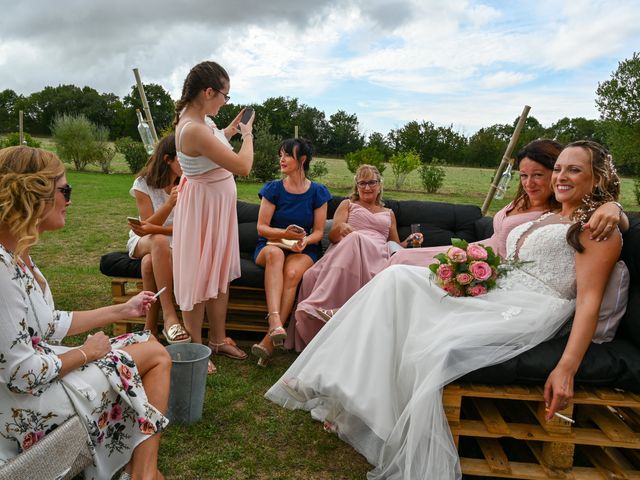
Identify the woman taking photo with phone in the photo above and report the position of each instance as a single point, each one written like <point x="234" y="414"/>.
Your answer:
<point x="294" y="210"/>
<point x="150" y="239"/>
<point x="206" y="253"/>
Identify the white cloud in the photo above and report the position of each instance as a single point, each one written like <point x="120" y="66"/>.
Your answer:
<point x="505" y="79"/>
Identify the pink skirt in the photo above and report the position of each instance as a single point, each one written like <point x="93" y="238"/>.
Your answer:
<point x="206" y="253"/>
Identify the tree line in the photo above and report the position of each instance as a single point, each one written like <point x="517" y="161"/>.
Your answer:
<point x="618" y="100"/>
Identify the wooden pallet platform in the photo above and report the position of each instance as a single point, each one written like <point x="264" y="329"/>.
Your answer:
<point x="501" y="433"/>
<point x="246" y="312"/>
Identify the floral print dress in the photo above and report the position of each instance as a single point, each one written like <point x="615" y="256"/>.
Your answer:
<point x="107" y="394"/>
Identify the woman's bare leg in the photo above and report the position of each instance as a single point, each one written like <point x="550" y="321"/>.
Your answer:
<point x="193" y="322"/>
<point x="163" y="274"/>
<point x="154" y="365"/>
<point x="149" y="283"/>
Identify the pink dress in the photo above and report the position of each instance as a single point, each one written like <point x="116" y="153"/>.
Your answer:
<point x="206" y="250"/>
<point x="502" y="225"/>
<point x="346" y="267"/>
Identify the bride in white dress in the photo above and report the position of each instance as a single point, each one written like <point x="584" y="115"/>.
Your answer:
<point x="375" y="372"/>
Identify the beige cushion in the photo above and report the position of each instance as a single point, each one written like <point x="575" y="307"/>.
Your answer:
<point x="614" y="304"/>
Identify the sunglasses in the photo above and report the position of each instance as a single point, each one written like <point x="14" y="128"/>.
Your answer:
<point x="66" y="192"/>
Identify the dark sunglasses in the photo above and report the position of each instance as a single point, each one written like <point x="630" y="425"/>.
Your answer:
<point x="66" y="192"/>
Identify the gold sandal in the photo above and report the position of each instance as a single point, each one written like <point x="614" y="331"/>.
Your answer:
<point x="173" y="333"/>
<point x="277" y="335"/>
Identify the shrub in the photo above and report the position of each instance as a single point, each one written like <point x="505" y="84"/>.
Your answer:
<point x="103" y="153"/>
<point x="318" y="169"/>
<point x="13" y="139"/>
<point x="368" y="155"/>
<point x="265" y="153"/>
<point x="432" y="175"/>
<point x="134" y="153"/>
<point x="402" y="164"/>
<point x="75" y="137"/>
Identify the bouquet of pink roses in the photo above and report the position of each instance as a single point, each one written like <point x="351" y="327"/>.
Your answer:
<point x="466" y="270"/>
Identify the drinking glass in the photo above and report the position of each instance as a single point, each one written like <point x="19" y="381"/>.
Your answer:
<point x="415" y="242"/>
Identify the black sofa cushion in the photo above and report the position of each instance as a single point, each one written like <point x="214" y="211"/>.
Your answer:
<point x="118" y="264"/>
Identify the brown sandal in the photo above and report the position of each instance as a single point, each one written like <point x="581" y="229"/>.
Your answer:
<point x="228" y="348"/>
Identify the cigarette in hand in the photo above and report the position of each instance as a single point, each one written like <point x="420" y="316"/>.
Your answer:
<point x="563" y="417"/>
<point x="159" y="292"/>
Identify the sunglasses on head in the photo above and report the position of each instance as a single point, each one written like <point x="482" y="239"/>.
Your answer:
<point x="66" y="192"/>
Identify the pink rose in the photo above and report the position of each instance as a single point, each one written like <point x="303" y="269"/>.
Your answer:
<point x="476" y="290"/>
<point x="476" y="252"/>
<point x="445" y="272"/>
<point x="125" y="372"/>
<point x="30" y="439"/>
<point x="146" y="426"/>
<point x="35" y="341"/>
<point x="116" y="413"/>
<point x="464" y="278"/>
<point x="452" y="289"/>
<point x="480" y="270"/>
<point x="457" y="254"/>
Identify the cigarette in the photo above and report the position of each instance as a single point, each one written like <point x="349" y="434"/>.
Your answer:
<point x="563" y="417"/>
<point x="159" y="292"/>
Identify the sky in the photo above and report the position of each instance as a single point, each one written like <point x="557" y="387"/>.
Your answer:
<point x="467" y="64"/>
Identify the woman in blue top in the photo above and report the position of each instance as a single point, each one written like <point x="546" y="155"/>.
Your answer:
<point x="294" y="208"/>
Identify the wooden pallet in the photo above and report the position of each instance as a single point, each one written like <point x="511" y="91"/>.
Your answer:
<point x="246" y="312"/>
<point x="501" y="433"/>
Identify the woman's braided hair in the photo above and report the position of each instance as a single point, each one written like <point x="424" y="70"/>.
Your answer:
<point x="606" y="188"/>
<point x="204" y="75"/>
<point x="27" y="184"/>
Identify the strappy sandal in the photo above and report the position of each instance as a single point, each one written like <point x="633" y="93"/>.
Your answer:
<point x="326" y="314"/>
<point x="228" y="348"/>
<point x="174" y="332"/>
<point x="277" y="335"/>
<point x="264" y="355"/>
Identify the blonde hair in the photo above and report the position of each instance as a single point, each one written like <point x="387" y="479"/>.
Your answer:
<point x="27" y="183"/>
<point x="361" y="171"/>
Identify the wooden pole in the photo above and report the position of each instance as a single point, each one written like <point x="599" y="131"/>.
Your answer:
<point x="21" y="126"/>
<point x="145" y="105"/>
<point x="295" y="131"/>
<point x="506" y="158"/>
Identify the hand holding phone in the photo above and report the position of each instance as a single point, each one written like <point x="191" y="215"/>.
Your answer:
<point x="246" y="115"/>
<point x="134" y="220"/>
<point x="296" y="228"/>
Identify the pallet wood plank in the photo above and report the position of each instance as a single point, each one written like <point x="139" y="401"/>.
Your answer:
<point x="494" y="455"/>
<point x="491" y="416"/>
<point x="612" y="426"/>
<point x="604" y="463"/>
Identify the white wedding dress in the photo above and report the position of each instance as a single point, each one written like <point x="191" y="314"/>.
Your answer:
<point x="377" y="369"/>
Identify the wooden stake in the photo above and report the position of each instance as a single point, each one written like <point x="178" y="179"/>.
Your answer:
<point x="295" y="131"/>
<point x="506" y="158"/>
<point x="145" y="105"/>
<point x="21" y="126"/>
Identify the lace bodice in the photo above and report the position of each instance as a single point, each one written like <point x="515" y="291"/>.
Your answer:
<point x="552" y="261"/>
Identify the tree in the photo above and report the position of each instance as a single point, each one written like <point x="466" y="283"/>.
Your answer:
<point x="78" y="140"/>
<point x="161" y="105"/>
<point x="619" y="98"/>
<point x="279" y="113"/>
<point x="402" y="164"/>
<point x="265" y="156"/>
<point x="568" y="130"/>
<point x="313" y="126"/>
<point x="368" y="155"/>
<point x="429" y="141"/>
<point x="486" y="147"/>
<point x="344" y="134"/>
<point x="8" y="111"/>
<point x="380" y="142"/>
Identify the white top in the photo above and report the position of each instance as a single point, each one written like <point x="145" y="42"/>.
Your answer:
<point x="192" y="166"/>
<point x="157" y="195"/>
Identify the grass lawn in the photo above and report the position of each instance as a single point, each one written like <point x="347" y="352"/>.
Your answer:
<point x="241" y="436"/>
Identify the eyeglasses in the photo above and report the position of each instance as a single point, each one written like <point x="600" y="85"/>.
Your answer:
<point x="367" y="183"/>
<point x="226" y="97"/>
<point x="66" y="192"/>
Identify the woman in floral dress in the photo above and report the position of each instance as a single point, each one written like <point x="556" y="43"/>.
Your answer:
<point x="119" y="387"/>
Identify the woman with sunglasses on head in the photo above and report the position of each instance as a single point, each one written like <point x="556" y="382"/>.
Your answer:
<point x="361" y="228"/>
<point x="155" y="190"/>
<point x="206" y="252"/>
<point x="374" y="374"/>
<point x="118" y="387"/>
<point x="293" y="209"/>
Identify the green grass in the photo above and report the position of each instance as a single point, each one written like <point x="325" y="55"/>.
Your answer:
<point x="241" y="435"/>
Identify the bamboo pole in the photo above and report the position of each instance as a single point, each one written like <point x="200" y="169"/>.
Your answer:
<point x="506" y="158"/>
<point x="21" y="126"/>
<point x="145" y="105"/>
<point x="295" y="131"/>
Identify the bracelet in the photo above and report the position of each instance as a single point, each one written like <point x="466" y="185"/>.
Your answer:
<point x="247" y="134"/>
<point x="617" y="204"/>
<point x="84" y="355"/>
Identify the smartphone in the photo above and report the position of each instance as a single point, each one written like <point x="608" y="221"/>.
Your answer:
<point x="246" y="115"/>
<point x="134" y="220"/>
<point x="297" y="228"/>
